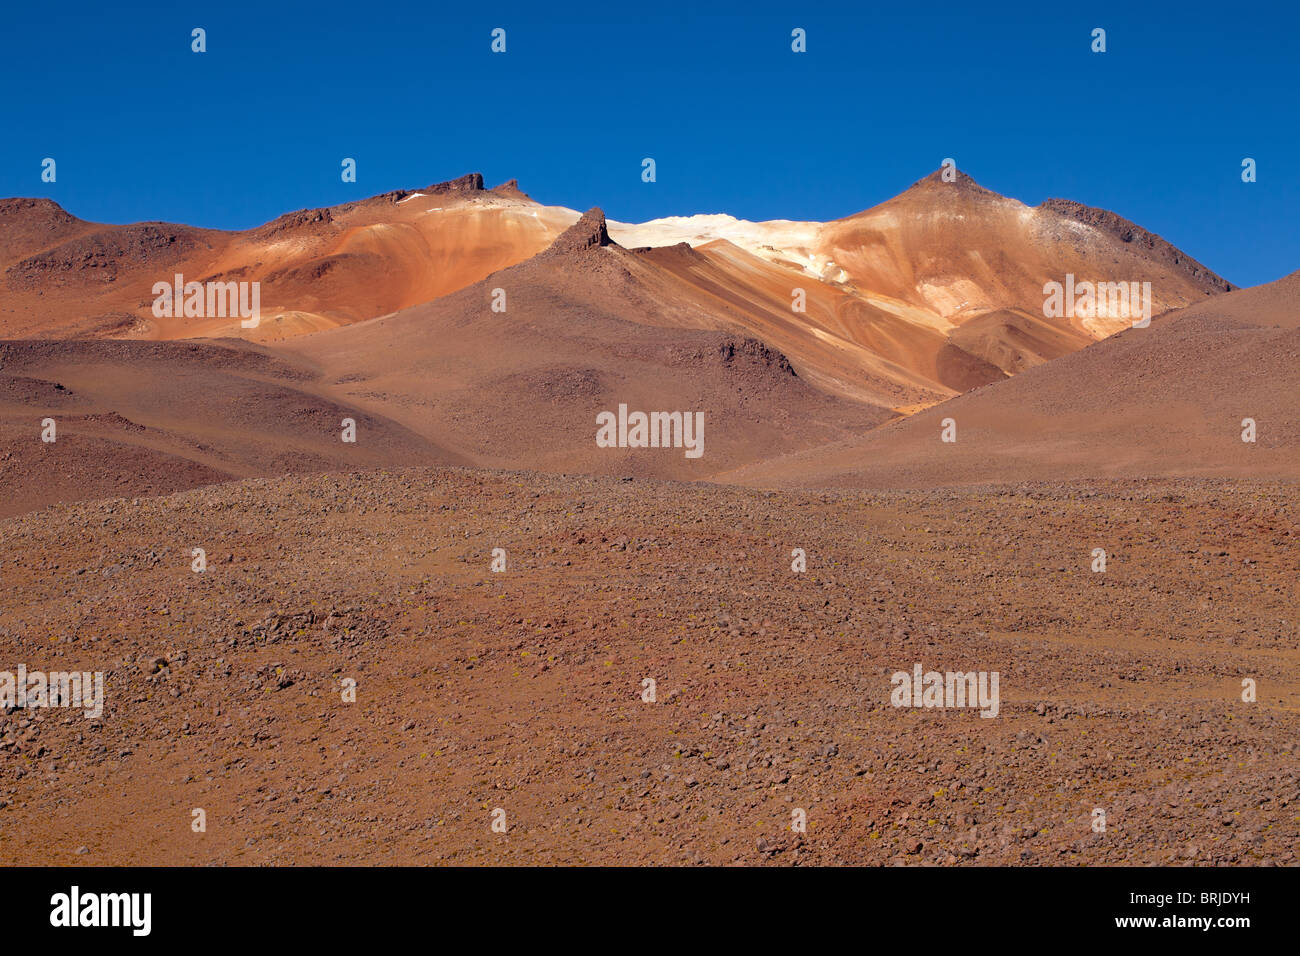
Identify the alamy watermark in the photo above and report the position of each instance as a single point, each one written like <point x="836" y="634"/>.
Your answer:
<point x="651" y="430"/>
<point x="81" y="689"/>
<point x="75" y="908"/>
<point x="951" y="689"/>
<point x="209" y="300"/>
<point x="1098" y="300"/>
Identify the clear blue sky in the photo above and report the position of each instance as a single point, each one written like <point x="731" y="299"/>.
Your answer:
<point x="1155" y="128"/>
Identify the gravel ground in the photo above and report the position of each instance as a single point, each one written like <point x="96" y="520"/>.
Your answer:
<point x="521" y="691"/>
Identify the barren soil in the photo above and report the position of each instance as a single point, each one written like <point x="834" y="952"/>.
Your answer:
<point x="521" y="690"/>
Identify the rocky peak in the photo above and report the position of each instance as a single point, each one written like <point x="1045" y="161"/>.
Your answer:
<point x="588" y="232"/>
<point x="469" y="183"/>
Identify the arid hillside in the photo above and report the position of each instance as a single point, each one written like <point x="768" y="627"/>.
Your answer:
<point x="580" y="329"/>
<point x="944" y="280"/>
<point x="923" y="297"/>
<point x="61" y="277"/>
<point x="146" y="418"/>
<point x="1170" y="400"/>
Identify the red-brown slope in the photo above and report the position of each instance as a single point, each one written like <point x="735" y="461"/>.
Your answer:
<point x="140" y="418"/>
<point x="929" y="294"/>
<point x="1168" y="400"/>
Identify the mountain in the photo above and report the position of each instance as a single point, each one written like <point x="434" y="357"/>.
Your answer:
<point x="317" y="268"/>
<point x="947" y="279"/>
<point x="581" y="328"/>
<point x="934" y="292"/>
<point x="588" y="327"/>
<point x="1168" y="400"/>
<point x="459" y="325"/>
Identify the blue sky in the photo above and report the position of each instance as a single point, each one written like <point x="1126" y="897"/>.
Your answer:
<point x="1154" y="129"/>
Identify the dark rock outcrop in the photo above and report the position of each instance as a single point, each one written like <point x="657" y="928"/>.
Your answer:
<point x="1129" y="232"/>
<point x="589" y="232"/>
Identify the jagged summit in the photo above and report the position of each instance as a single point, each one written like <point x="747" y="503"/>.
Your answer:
<point x="469" y="183"/>
<point x="469" y="186"/>
<point x="510" y="188"/>
<point x="588" y="232"/>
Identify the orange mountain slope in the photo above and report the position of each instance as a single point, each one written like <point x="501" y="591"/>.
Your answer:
<point x="587" y="325"/>
<point x="1169" y="400"/>
<point x="61" y="277"/>
<point x="936" y="290"/>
